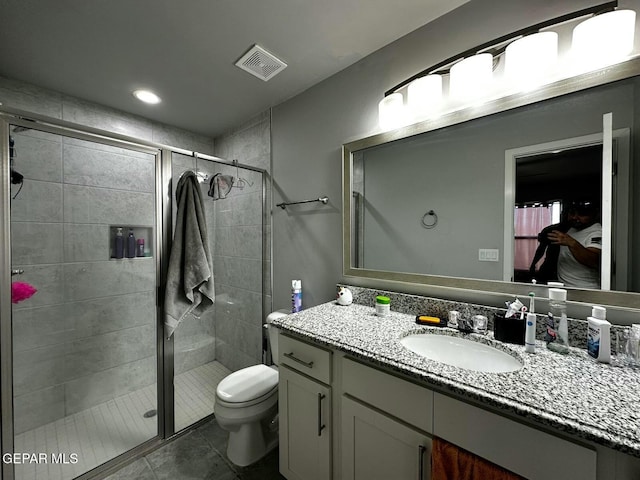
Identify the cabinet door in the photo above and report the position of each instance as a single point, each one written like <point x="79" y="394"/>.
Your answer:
<point x="375" y="446"/>
<point x="305" y="427"/>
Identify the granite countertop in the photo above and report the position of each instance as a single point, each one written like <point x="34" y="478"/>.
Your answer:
<point x="572" y="393"/>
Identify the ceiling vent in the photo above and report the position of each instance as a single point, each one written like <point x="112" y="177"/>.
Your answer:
<point x="257" y="61"/>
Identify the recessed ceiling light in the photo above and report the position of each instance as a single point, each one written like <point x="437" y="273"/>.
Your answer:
<point x="146" y="96"/>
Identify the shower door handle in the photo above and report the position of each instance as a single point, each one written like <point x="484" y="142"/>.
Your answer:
<point x="321" y="426"/>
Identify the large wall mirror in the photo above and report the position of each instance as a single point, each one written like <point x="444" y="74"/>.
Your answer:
<point x="460" y="201"/>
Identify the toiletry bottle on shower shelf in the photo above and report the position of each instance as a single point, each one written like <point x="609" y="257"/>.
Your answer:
<point x="131" y="244"/>
<point x="119" y="244"/>
<point x="140" y="247"/>
<point x="557" y="336"/>
<point x="296" y="295"/>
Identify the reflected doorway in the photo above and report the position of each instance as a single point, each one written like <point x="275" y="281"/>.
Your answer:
<point x="545" y="185"/>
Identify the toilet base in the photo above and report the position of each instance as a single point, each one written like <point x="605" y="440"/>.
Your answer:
<point x="250" y="442"/>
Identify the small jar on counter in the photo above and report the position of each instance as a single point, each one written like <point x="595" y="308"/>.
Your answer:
<point x="383" y="306"/>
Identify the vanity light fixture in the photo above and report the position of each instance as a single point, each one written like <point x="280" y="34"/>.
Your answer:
<point x="424" y="95"/>
<point x="530" y="60"/>
<point x="530" y="56"/>
<point x="471" y="78"/>
<point x="603" y="40"/>
<point x="147" y="96"/>
<point x="391" y="111"/>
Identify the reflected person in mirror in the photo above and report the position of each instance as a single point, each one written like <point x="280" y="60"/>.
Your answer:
<point x="580" y="247"/>
<point x="548" y="271"/>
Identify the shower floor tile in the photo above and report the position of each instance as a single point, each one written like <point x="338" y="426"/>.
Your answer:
<point x="102" y="432"/>
<point x="195" y="391"/>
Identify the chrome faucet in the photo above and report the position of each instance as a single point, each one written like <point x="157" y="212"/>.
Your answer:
<point x="465" y="325"/>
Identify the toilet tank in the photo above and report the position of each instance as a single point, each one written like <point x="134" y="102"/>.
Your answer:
<point x="273" y="332"/>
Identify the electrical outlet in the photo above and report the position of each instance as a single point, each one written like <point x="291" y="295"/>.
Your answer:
<point x="488" y="255"/>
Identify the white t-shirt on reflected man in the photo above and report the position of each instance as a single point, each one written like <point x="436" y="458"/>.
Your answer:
<point x="571" y="272"/>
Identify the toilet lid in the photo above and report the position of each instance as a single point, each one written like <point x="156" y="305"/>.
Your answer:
<point x="247" y="384"/>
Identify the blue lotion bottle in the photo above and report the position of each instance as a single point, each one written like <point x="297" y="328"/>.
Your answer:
<point x="119" y="244"/>
<point x="131" y="244"/>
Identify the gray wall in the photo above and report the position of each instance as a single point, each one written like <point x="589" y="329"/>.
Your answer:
<point x="309" y="129"/>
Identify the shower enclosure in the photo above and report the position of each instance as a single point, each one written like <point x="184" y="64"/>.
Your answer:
<point x="229" y="336"/>
<point x="86" y="372"/>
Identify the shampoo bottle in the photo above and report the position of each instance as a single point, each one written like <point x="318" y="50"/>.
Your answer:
<point x="119" y="244"/>
<point x="599" y="335"/>
<point x="131" y="244"/>
<point x="296" y="295"/>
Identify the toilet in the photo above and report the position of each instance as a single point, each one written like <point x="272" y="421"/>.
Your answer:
<point x="246" y="405"/>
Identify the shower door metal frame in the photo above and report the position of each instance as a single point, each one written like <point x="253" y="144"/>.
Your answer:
<point x="6" y="340"/>
<point x="36" y="122"/>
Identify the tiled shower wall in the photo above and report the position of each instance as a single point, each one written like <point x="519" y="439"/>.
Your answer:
<point x="238" y="259"/>
<point x="67" y="357"/>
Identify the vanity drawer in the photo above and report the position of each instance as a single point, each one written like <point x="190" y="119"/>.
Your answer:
<point x="305" y="358"/>
<point x="400" y="398"/>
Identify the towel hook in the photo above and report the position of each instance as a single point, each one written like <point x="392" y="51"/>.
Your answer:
<point x="429" y="223"/>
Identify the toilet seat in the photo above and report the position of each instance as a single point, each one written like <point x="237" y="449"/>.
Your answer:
<point x="248" y="386"/>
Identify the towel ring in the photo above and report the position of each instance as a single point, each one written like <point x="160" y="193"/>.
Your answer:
<point x="432" y="223"/>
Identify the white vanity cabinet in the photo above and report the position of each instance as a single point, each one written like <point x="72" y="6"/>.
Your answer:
<point x="383" y="424"/>
<point x="304" y="397"/>
<point x="376" y="443"/>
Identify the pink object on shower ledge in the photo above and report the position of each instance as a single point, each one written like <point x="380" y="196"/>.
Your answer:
<point x="21" y="291"/>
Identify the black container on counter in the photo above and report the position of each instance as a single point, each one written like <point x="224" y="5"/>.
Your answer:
<point x="509" y="330"/>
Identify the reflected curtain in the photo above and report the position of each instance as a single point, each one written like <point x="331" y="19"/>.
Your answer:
<point x="529" y="221"/>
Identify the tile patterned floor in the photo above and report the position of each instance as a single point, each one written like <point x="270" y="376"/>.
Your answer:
<point x="198" y="455"/>
<point x="107" y="430"/>
<point x="195" y="391"/>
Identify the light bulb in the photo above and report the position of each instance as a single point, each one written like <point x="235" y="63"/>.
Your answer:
<point x="472" y="77"/>
<point x="530" y="60"/>
<point x="146" y="96"/>
<point x="424" y="95"/>
<point x="603" y="40"/>
<point x="391" y="112"/>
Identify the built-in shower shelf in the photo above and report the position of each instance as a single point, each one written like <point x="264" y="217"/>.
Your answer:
<point x="192" y="343"/>
<point x="143" y="233"/>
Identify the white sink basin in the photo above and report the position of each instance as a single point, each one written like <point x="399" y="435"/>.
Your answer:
<point x="460" y="352"/>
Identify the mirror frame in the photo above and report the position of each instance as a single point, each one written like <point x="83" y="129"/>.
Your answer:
<point x="418" y="282"/>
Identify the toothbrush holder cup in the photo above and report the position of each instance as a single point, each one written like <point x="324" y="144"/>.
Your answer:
<point x="508" y="330"/>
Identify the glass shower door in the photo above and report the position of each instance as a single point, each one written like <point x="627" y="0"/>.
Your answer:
<point x="227" y="337"/>
<point x="84" y="304"/>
